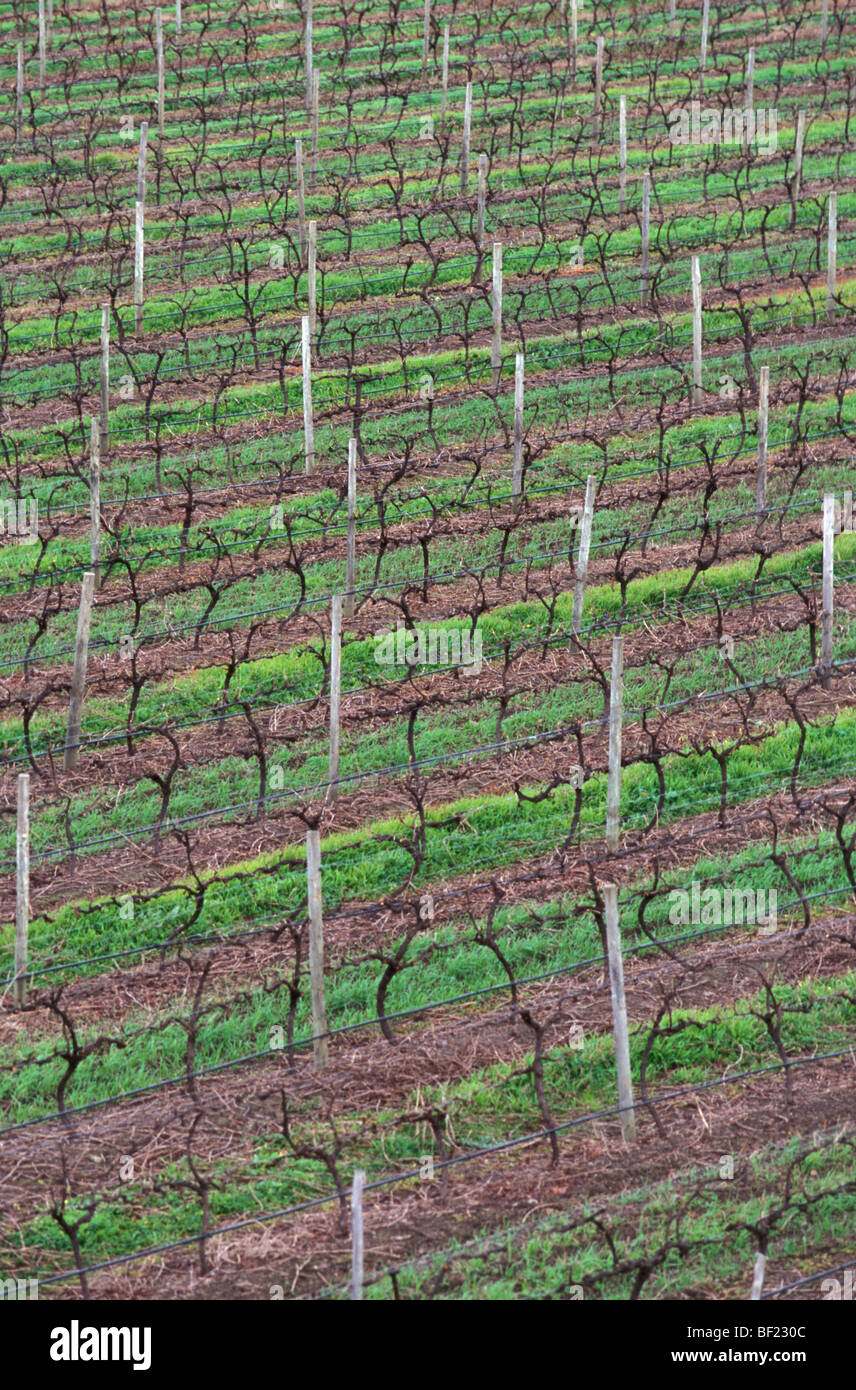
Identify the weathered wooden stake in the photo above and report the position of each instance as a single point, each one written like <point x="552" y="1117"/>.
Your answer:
<point x="672" y="19"/>
<point x="465" y="140"/>
<point x="831" y="254"/>
<point x="750" y="97"/>
<point x="95" y="500"/>
<point x="763" y="407"/>
<point x="695" y="275"/>
<point x="613" y="785"/>
<point x="22" y="887"/>
<point x="826" y="647"/>
<point x="178" y="17"/>
<point x="426" y="35"/>
<point x="481" y="204"/>
<point x="335" y="693"/>
<point x="619" y="1013"/>
<point x="316" y="948"/>
<point x="646" y="233"/>
<point x="141" y="162"/>
<point x="622" y="154"/>
<point x="78" y="675"/>
<point x="517" y="470"/>
<point x="496" y="312"/>
<point x="104" y="418"/>
<point x="351" y="562"/>
<point x="445" y="78"/>
<point x="308" y="53"/>
<point x="824" y="22"/>
<point x="311" y="276"/>
<point x="799" y="146"/>
<point x="139" y="251"/>
<point x="705" y="23"/>
<point x="301" y="200"/>
<point x="43" y="43"/>
<point x="574" y="38"/>
<point x="308" y="423"/>
<point x="847" y="510"/>
<point x="583" y="555"/>
<point x="316" y="87"/>
<point x="19" y="99"/>
<point x="357" y="1247"/>
<point x="758" y="1277"/>
<point x="598" y="88"/>
<point x="161" y="73"/>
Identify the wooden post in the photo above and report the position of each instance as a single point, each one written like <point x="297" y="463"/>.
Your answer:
<point x="619" y="1013"/>
<point x="824" y="22"/>
<point x="574" y="37"/>
<point x="139" y="247"/>
<point x="426" y="35"/>
<point x="481" y="206"/>
<point x="308" y="424"/>
<point x="831" y="254"/>
<point x="496" y="312"/>
<point x="104" y="418"/>
<point x="308" y="53"/>
<point x="141" y="163"/>
<point x="43" y="44"/>
<point x="758" y="1277"/>
<point x="335" y="693"/>
<point x="357" y="1248"/>
<point x="799" y="146"/>
<point x="351" y="562"/>
<point x="161" y="78"/>
<point x="78" y="677"/>
<point x="301" y="200"/>
<point x="598" y="88"/>
<point x="763" y="406"/>
<point x="445" y="79"/>
<point x="826" y="645"/>
<point x="695" y="274"/>
<point x="847" y="510"/>
<point x="646" y="232"/>
<point x="750" y="97"/>
<point x="616" y="704"/>
<point x="178" y="17"/>
<point x="705" y="24"/>
<point x="19" y="99"/>
<point x="622" y="154"/>
<point x="311" y="279"/>
<point x="465" y="141"/>
<point x="672" y="19"/>
<point x="517" y="471"/>
<point x="583" y="555"/>
<point x="316" y="84"/>
<point x="95" y="500"/>
<point x="22" y="887"/>
<point x="316" y="948"/>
